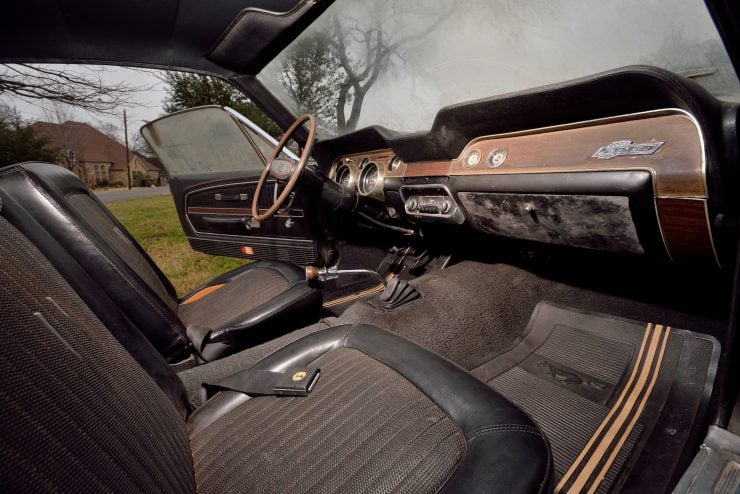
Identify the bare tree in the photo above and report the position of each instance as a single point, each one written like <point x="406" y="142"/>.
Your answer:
<point x="111" y="130"/>
<point x="141" y="147"/>
<point x="331" y="71"/>
<point x="65" y="135"/>
<point x="79" y="86"/>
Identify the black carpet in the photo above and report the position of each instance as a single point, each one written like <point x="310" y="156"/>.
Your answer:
<point x="607" y="391"/>
<point x="472" y="310"/>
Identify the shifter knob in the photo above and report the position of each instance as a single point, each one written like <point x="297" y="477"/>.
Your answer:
<point x="312" y="273"/>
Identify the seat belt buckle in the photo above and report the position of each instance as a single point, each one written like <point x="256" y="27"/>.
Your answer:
<point x="297" y="383"/>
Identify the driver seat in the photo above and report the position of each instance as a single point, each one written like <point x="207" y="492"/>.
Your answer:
<point x="244" y="307"/>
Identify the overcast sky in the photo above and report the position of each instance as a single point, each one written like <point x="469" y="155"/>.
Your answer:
<point x="452" y="55"/>
<point x="145" y="105"/>
<point x="444" y="54"/>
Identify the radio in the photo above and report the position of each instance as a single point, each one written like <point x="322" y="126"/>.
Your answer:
<point x="433" y="202"/>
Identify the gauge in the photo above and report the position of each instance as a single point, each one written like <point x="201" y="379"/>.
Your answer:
<point x="497" y="157"/>
<point x="394" y="163"/>
<point x="344" y="176"/>
<point x="471" y="159"/>
<point x="369" y="178"/>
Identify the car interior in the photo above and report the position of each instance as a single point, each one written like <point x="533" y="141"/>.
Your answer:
<point x="515" y="290"/>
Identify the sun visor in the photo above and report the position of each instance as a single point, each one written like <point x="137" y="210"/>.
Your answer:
<point x="256" y="36"/>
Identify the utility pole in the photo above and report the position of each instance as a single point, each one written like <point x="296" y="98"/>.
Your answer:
<point x="128" y="158"/>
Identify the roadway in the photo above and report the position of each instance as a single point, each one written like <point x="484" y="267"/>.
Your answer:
<point x="123" y="194"/>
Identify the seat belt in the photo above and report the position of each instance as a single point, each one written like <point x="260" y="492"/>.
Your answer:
<point x="254" y="382"/>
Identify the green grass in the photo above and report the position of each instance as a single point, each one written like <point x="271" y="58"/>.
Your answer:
<point x="154" y="223"/>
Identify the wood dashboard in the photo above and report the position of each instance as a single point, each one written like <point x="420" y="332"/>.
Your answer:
<point x="668" y="144"/>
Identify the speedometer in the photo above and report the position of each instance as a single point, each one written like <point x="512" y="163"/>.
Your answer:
<point x="369" y="178"/>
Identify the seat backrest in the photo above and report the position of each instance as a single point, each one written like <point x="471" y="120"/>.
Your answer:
<point x="83" y="226"/>
<point x="77" y="413"/>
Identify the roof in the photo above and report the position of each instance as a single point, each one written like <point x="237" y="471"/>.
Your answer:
<point x="163" y="33"/>
<point x="88" y="143"/>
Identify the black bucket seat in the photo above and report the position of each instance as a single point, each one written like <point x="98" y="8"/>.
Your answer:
<point x="243" y="307"/>
<point x="78" y="414"/>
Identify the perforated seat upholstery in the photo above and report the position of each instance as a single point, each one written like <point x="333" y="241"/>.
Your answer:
<point x="248" y="305"/>
<point x="77" y="413"/>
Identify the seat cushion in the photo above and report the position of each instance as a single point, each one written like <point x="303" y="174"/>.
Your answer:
<point x="364" y="427"/>
<point x="385" y="416"/>
<point x="248" y="305"/>
<point x="250" y="288"/>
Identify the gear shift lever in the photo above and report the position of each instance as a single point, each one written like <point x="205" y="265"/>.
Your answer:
<point x="332" y="273"/>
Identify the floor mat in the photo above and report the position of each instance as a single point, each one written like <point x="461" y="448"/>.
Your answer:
<point x="607" y="391"/>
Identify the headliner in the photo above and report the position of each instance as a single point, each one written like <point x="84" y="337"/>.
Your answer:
<point x="151" y="33"/>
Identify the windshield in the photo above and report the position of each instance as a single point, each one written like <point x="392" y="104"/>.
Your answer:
<point x="395" y="63"/>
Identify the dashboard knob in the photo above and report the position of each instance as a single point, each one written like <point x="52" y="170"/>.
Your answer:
<point x="412" y="204"/>
<point x="445" y="207"/>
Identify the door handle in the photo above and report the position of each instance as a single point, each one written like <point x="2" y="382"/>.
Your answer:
<point x="247" y="222"/>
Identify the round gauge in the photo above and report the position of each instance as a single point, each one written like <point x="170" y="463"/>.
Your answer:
<point x="497" y="157"/>
<point x="394" y="163"/>
<point x="471" y="159"/>
<point x="369" y="178"/>
<point x="344" y="176"/>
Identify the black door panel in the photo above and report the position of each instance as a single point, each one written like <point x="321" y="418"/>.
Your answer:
<point x="215" y="208"/>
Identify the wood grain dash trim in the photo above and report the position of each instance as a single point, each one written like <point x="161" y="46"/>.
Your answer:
<point x="428" y="169"/>
<point x="686" y="230"/>
<point x="678" y="166"/>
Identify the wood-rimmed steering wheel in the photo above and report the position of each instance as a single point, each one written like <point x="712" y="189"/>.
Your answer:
<point x="282" y="170"/>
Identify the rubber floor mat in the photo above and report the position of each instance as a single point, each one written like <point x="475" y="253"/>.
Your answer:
<point x="607" y="392"/>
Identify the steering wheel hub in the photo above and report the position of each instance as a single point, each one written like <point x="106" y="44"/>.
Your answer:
<point x="284" y="170"/>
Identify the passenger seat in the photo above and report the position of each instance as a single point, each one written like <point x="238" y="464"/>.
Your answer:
<point x="244" y="307"/>
<point x="77" y="413"/>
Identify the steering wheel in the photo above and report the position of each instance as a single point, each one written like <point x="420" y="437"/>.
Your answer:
<point x="283" y="170"/>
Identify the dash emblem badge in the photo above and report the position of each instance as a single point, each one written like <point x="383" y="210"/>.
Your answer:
<point x="627" y="148"/>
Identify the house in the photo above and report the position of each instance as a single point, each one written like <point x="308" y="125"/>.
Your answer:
<point x="96" y="158"/>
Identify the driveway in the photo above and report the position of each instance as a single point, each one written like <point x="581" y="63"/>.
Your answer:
<point x="113" y="195"/>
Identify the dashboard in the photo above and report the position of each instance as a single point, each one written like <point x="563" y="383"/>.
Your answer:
<point x="633" y="183"/>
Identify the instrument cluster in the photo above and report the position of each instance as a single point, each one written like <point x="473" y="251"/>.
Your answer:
<point x="367" y="172"/>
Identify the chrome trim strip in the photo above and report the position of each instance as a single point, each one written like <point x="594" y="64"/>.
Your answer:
<point x="259" y="131"/>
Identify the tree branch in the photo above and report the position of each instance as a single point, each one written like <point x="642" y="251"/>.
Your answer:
<point x="85" y="91"/>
